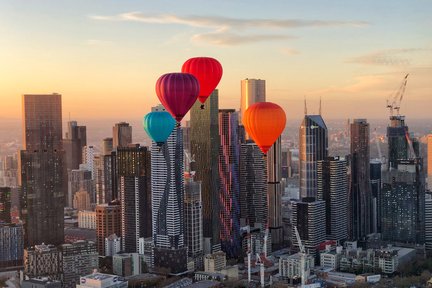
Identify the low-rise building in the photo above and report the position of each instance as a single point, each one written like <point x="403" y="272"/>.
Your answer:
<point x="87" y="219"/>
<point x="112" y="245"/>
<point x="99" y="280"/>
<point x="214" y="262"/>
<point x="40" y="283"/>
<point x="126" y="264"/>
<point x="331" y="259"/>
<point x="290" y="265"/>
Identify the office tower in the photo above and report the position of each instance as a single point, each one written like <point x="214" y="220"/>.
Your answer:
<point x="9" y="171"/>
<point x="42" y="170"/>
<point x="126" y="264"/>
<point x="429" y="159"/>
<point x="135" y="194"/>
<point x="107" y="222"/>
<point x="252" y="91"/>
<point x="309" y="216"/>
<point x="112" y="245"/>
<point x="75" y="140"/>
<point x="122" y="135"/>
<point x="87" y="219"/>
<point x="80" y="179"/>
<point x="78" y="258"/>
<point x="11" y="246"/>
<point x="88" y="156"/>
<point x="313" y="148"/>
<point x="229" y="190"/>
<point x="274" y="191"/>
<point x="375" y="182"/>
<point x="403" y="202"/>
<point x="205" y="142"/>
<point x="360" y="198"/>
<point x="106" y="173"/>
<point x="81" y="200"/>
<point x="193" y="220"/>
<point x="428" y="221"/>
<point x="333" y="190"/>
<point x="253" y="186"/>
<point x="170" y="251"/>
<point x="397" y="141"/>
<point x="5" y="205"/>
<point x="285" y="163"/>
<point x="43" y="261"/>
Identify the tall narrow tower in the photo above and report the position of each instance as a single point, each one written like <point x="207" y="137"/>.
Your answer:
<point x="42" y="165"/>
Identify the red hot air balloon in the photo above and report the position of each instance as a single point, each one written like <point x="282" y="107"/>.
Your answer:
<point x="208" y="71"/>
<point x="264" y="122"/>
<point x="177" y="93"/>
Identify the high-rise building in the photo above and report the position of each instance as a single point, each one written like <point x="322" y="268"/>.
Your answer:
<point x="193" y="220"/>
<point x="11" y="246"/>
<point x="204" y="145"/>
<point x="5" y="204"/>
<point x="78" y="258"/>
<point x="80" y="179"/>
<point x="375" y="182"/>
<point x="42" y="170"/>
<point x="360" y="198"/>
<point x="87" y="219"/>
<point x="122" y="135"/>
<point x="135" y="194"/>
<point x="253" y="186"/>
<point x="9" y="171"/>
<point x="333" y="190"/>
<point x="106" y="173"/>
<point x="252" y="91"/>
<point x="309" y="216"/>
<point x="43" y="261"/>
<point x="108" y="222"/>
<point x="403" y="202"/>
<point x="170" y="251"/>
<point x="75" y="140"/>
<point x="428" y="221"/>
<point x="229" y="190"/>
<point x="88" y="156"/>
<point x="429" y="158"/>
<point x="313" y="148"/>
<point x="274" y="191"/>
<point x="397" y="140"/>
<point x="81" y="200"/>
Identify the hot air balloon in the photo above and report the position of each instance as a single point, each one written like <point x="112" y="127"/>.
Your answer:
<point x="177" y="93"/>
<point x="208" y="71"/>
<point x="264" y="122"/>
<point x="159" y="126"/>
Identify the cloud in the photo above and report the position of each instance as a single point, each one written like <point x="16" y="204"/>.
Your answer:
<point x="225" y="30"/>
<point x="289" y="51"/>
<point x="392" y="57"/>
<point x="98" y="43"/>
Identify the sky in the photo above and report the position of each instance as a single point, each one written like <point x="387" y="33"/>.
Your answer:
<point x="105" y="57"/>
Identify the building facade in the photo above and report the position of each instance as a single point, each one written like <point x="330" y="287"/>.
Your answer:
<point x="108" y="222"/>
<point x="42" y="168"/>
<point x="5" y="204"/>
<point x="375" y="182"/>
<point x="87" y="219"/>
<point x="11" y="246"/>
<point x="79" y="179"/>
<point x="122" y="135"/>
<point x="252" y="91"/>
<point x="43" y="261"/>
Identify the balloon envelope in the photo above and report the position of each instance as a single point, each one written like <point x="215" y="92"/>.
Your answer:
<point x="208" y="71"/>
<point x="177" y="93"/>
<point x="264" y="122"/>
<point x="159" y="126"/>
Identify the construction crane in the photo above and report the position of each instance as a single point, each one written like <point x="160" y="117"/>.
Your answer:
<point x="304" y="271"/>
<point x="394" y="101"/>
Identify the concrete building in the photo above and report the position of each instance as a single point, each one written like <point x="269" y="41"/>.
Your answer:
<point x="43" y="261"/>
<point x="11" y="246"/>
<point x="122" y="135"/>
<point x="108" y="221"/>
<point x="42" y="282"/>
<point x="214" y="262"/>
<point x="42" y="170"/>
<point x="146" y="250"/>
<point x="81" y="200"/>
<point x="112" y="245"/>
<point x="99" y="280"/>
<point x="331" y="259"/>
<point x="290" y="265"/>
<point x="79" y="179"/>
<point x="126" y="264"/>
<point x="87" y="219"/>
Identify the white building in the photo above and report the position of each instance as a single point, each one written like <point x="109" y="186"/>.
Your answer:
<point x="146" y="249"/>
<point x="428" y="217"/>
<point x="290" y="265"/>
<point x="87" y="219"/>
<point x="112" y="245"/>
<point x="331" y="259"/>
<point x="99" y="280"/>
<point x="88" y="158"/>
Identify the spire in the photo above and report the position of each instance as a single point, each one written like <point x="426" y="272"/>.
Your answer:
<point x="319" y="107"/>
<point x="305" y="106"/>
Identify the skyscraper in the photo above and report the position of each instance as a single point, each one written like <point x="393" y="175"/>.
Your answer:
<point x="252" y="91"/>
<point x="428" y="221"/>
<point x="77" y="180"/>
<point x="333" y="190"/>
<point x="375" y="182"/>
<point x="108" y="222"/>
<point x="313" y="147"/>
<point x="429" y="159"/>
<point x="170" y="251"/>
<point x="360" y="198"/>
<point x="229" y="191"/>
<point x="135" y="194"/>
<point x="75" y="140"/>
<point x="205" y="142"/>
<point x="193" y="220"/>
<point x="253" y="186"/>
<point x="11" y="246"/>
<point x="397" y="141"/>
<point x="81" y="201"/>
<point x="42" y="169"/>
<point x="122" y="135"/>
<point x="5" y="204"/>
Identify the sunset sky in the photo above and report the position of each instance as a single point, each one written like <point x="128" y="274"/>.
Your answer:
<point x="104" y="57"/>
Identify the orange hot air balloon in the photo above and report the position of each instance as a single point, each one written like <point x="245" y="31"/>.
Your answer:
<point x="264" y="122"/>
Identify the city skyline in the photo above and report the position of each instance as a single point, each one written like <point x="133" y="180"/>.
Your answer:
<point x="125" y="48"/>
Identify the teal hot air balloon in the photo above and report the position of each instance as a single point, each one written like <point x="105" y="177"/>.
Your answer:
<point x="159" y="126"/>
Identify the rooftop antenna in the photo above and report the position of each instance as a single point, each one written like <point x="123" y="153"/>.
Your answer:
<point x="320" y="106"/>
<point x="305" y="106"/>
<point x="69" y="117"/>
